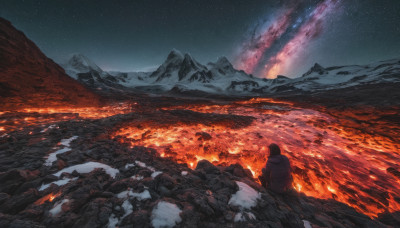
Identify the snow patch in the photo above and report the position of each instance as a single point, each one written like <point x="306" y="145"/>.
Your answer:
<point x="307" y="224"/>
<point x="53" y="156"/>
<point x="165" y="214"/>
<point x="140" y="196"/>
<point x="67" y="142"/>
<point x="143" y="165"/>
<point x="127" y="208"/>
<point x="156" y="173"/>
<point x="48" y="128"/>
<point x="89" y="167"/>
<point x="59" y="183"/>
<point x="246" y="197"/>
<point x="127" y="166"/>
<point x="184" y="173"/>
<point x="137" y="177"/>
<point x="58" y="207"/>
<point x="240" y="217"/>
<point x="113" y="220"/>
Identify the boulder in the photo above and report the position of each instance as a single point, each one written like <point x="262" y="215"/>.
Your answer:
<point x="207" y="167"/>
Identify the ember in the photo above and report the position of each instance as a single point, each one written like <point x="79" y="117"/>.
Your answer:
<point x="50" y="197"/>
<point x="329" y="160"/>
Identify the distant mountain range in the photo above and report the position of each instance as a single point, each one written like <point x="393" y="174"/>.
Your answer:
<point x="29" y="78"/>
<point x="181" y="73"/>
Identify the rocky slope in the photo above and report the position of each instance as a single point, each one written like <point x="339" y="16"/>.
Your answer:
<point x="29" y="79"/>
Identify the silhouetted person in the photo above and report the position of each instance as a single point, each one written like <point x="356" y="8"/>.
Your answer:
<point x="277" y="174"/>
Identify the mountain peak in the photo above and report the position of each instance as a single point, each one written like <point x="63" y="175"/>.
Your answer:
<point x="317" y="66"/>
<point x="282" y="77"/>
<point x="223" y="61"/>
<point x="82" y="63"/>
<point x="223" y="66"/>
<point x="175" y="54"/>
<point x="315" y="69"/>
<point x="188" y="57"/>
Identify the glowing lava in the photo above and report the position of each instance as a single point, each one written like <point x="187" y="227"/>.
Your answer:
<point x="329" y="160"/>
<point x="16" y="120"/>
<point x="50" y="197"/>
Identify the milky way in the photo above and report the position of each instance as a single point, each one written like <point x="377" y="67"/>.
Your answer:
<point x="273" y="46"/>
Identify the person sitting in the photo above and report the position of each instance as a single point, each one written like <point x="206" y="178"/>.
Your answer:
<point x="277" y="174"/>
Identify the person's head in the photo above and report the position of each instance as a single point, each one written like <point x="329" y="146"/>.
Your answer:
<point x="274" y="149"/>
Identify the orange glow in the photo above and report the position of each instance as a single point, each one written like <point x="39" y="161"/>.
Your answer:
<point x="273" y="71"/>
<point x="330" y="157"/>
<point x="52" y="115"/>
<point x="50" y="197"/>
<point x="329" y="160"/>
<point x="87" y="113"/>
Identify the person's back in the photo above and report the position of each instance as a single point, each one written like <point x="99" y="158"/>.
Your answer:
<point x="277" y="172"/>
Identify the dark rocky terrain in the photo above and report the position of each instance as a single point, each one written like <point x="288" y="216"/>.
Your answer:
<point x="90" y="199"/>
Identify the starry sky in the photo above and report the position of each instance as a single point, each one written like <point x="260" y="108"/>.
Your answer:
<point x="262" y="37"/>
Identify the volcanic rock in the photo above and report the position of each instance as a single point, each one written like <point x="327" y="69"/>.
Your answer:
<point x="3" y="197"/>
<point x="207" y="167"/>
<point x="203" y="136"/>
<point x="97" y="200"/>
<point x="139" y="218"/>
<point x="239" y="171"/>
<point x="392" y="219"/>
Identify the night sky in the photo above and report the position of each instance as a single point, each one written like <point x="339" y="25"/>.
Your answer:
<point x="262" y="37"/>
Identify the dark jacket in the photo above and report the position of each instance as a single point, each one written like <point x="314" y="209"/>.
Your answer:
<point x="278" y="173"/>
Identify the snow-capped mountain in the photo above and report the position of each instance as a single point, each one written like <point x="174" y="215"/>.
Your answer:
<point x="81" y="63"/>
<point x="87" y="72"/>
<point x="179" y="68"/>
<point x="319" y="78"/>
<point x="182" y="73"/>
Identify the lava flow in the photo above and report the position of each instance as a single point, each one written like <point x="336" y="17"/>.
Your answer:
<point x="17" y="120"/>
<point x="329" y="160"/>
<point x="50" y="197"/>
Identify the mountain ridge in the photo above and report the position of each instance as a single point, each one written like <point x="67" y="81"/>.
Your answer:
<point x="180" y="72"/>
